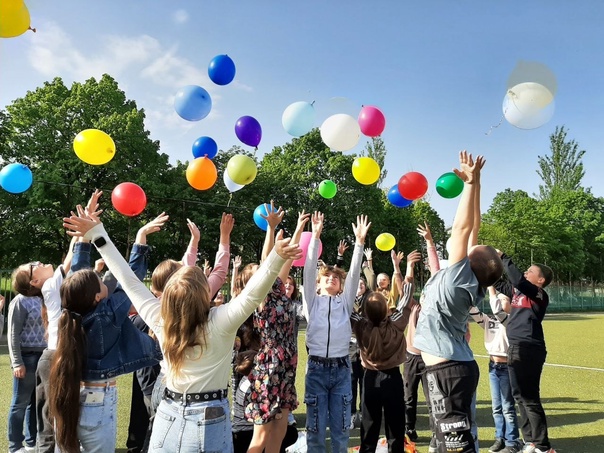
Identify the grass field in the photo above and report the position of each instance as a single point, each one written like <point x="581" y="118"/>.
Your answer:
<point x="572" y="388"/>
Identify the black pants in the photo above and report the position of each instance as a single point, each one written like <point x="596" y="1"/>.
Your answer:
<point x="45" y="440"/>
<point x="139" y="419"/>
<point x="413" y="374"/>
<point x="242" y="439"/>
<point x="451" y="386"/>
<point x="357" y="382"/>
<point x="525" y="364"/>
<point x="383" y="390"/>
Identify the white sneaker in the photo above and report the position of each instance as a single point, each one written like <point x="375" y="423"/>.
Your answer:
<point x="30" y="449"/>
<point x="551" y="450"/>
<point x="529" y="448"/>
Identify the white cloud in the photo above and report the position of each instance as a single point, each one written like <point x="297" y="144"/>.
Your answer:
<point x="180" y="16"/>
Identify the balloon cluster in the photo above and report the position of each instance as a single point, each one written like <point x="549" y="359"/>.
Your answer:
<point x="14" y="18"/>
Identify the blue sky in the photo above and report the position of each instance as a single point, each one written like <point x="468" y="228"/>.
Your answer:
<point x="437" y="69"/>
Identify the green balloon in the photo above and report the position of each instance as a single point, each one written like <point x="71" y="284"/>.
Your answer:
<point x="449" y="185"/>
<point x="328" y="189"/>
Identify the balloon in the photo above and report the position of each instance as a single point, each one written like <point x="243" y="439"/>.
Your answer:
<point x="449" y="185"/>
<point x="385" y="242"/>
<point x="528" y="119"/>
<point x="248" y="130"/>
<point x="94" y="147"/>
<point x="192" y="103"/>
<point x="533" y="71"/>
<point x="258" y="213"/>
<point x="298" y="118"/>
<point x="372" y="121"/>
<point x="413" y="185"/>
<point x="16" y="178"/>
<point x="448" y="246"/>
<point x="205" y="146"/>
<point x="14" y="18"/>
<point x="396" y="199"/>
<point x="201" y="173"/>
<point x="229" y="184"/>
<point x="365" y="170"/>
<point x="128" y="199"/>
<point x="340" y="132"/>
<point x="221" y="70"/>
<point x="304" y="243"/>
<point x="241" y="169"/>
<point x="530" y="97"/>
<point x="328" y="189"/>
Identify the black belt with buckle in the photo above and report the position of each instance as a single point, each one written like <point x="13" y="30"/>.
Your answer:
<point x="195" y="397"/>
<point x="329" y="361"/>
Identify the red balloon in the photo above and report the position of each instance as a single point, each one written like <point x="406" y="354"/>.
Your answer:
<point x="128" y="199"/>
<point x="413" y="185"/>
<point x="372" y="121"/>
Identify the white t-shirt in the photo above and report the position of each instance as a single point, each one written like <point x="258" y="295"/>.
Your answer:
<point x="52" y="300"/>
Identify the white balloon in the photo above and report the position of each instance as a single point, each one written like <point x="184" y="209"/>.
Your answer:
<point x="298" y="118"/>
<point x="229" y="184"/>
<point x="527" y="119"/>
<point x="448" y="246"/>
<point x="530" y="97"/>
<point x="341" y="132"/>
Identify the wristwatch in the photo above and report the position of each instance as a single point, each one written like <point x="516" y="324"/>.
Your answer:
<point x="99" y="242"/>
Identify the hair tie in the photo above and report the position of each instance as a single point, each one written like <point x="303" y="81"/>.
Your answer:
<point x="73" y="314"/>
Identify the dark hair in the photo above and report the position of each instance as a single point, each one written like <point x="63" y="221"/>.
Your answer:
<point x="244" y="362"/>
<point x="376" y="308"/>
<point x="546" y="273"/>
<point x="486" y="264"/>
<point x="162" y="273"/>
<point x="242" y="278"/>
<point x="21" y="278"/>
<point x="295" y="293"/>
<point x="78" y="293"/>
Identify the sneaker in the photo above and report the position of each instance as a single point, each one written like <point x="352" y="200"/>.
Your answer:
<point x="30" y="449"/>
<point x="412" y="434"/>
<point x="529" y="448"/>
<point x="433" y="448"/>
<point x="510" y="449"/>
<point x="551" y="450"/>
<point x="499" y="445"/>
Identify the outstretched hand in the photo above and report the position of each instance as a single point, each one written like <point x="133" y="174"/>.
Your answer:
<point x="303" y="219"/>
<point x="274" y="216"/>
<point x="342" y="247"/>
<point x="413" y="257"/>
<point x="285" y="249"/>
<point x="92" y="207"/>
<point x="396" y="258"/>
<point x="361" y="228"/>
<point x="316" y="222"/>
<point x="79" y="225"/>
<point x="227" y="222"/>
<point x="195" y="234"/>
<point x="151" y="227"/>
<point x="424" y="231"/>
<point x="469" y="169"/>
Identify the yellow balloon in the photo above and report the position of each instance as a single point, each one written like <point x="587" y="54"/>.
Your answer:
<point x="241" y="169"/>
<point x="94" y="147"/>
<point x="14" y="18"/>
<point x="385" y="242"/>
<point x="365" y="170"/>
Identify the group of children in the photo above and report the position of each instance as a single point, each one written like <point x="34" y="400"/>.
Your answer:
<point x="66" y="366"/>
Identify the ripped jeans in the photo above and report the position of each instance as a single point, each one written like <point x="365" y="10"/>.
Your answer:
<point x="328" y="398"/>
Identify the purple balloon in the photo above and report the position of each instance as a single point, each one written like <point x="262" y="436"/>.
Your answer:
<point x="248" y="130"/>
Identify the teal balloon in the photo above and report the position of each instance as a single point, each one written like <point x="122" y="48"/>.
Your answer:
<point x="449" y="185"/>
<point x="328" y="189"/>
<point x="298" y="118"/>
<point x="16" y="178"/>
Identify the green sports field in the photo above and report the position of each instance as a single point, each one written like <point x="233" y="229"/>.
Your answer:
<point x="572" y="387"/>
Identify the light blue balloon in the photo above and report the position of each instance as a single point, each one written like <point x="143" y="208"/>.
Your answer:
<point x="16" y="178"/>
<point x="192" y="103"/>
<point x="298" y="118"/>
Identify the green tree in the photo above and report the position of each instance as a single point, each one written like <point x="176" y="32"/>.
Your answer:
<point x="377" y="151"/>
<point x="563" y="170"/>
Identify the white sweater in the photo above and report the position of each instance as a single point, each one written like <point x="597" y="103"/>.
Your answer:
<point x="200" y="372"/>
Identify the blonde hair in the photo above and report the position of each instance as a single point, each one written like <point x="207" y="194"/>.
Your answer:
<point x="185" y="308"/>
<point x="243" y="277"/>
<point x="162" y="273"/>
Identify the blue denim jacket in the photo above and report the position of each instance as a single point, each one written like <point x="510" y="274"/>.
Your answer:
<point x="115" y="346"/>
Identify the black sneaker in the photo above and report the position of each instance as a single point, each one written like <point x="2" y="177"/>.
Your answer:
<point x="499" y="445"/>
<point x="412" y="435"/>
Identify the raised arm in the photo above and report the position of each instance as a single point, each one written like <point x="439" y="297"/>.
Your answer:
<point x="190" y="256"/>
<point x="424" y="231"/>
<point x="351" y="283"/>
<point x="273" y="218"/>
<point x="397" y="276"/>
<point x="342" y="247"/>
<point x="303" y="219"/>
<point x="473" y="240"/>
<point x="218" y="275"/>
<point x="368" y="271"/>
<point x="151" y="227"/>
<point x="464" y="218"/>
<point x="236" y="266"/>
<point x="310" y="266"/>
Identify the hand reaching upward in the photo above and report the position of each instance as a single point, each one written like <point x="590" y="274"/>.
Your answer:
<point x="360" y="228"/>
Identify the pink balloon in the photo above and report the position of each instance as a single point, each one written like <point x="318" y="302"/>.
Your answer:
<point x="304" y="243"/>
<point x="372" y="121"/>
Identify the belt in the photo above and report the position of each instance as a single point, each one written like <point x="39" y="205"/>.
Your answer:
<point x="503" y="360"/>
<point x="328" y="360"/>
<point x="98" y="384"/>
<point x="195" y="397"/>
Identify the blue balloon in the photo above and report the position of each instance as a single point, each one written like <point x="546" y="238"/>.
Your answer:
<point x="221" y="70"/>
<point x="258" y="219"/>
<point x="192" y="103"/>
<point x="395" y="198"/>
<point x="298" y="118"/>
<point x="205" y="146"/>
<point x="16" y="178"/>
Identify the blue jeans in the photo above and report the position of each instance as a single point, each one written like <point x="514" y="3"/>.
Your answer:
<point x="194" y="427"/>
<point x="97" y="428"/>
<point x="328" y="397"/>
<point x="504" y="409"/>
<point x="23" y="405"/>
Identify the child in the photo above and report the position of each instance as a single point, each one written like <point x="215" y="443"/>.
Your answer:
<point x="328" y="392"/>
<point x="382" y="342"/>
<point x="496" y="343"/>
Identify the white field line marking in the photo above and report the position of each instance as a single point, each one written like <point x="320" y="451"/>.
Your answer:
<point x="559" y="365"/>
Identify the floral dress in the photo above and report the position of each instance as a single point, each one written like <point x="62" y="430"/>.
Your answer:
<point x="273" y="376"/>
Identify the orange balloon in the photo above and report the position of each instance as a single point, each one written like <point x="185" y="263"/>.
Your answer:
<point x="202" y="173"/>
